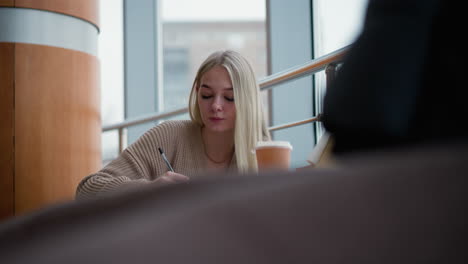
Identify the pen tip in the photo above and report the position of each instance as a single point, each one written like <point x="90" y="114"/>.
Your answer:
<point x="160" y="150"/>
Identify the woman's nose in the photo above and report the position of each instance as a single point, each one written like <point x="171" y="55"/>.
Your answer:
<point x="217" y="105"/>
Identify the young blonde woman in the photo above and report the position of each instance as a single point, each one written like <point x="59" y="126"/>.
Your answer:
<point x="226" y="122"/>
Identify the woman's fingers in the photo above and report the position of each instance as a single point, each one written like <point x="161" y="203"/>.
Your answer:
<point x="177" y="176"/>
<point x="171" y="177"/>
<point x="165" y="179"/>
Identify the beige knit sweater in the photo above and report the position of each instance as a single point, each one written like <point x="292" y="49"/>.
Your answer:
<point x="142" y="163"/>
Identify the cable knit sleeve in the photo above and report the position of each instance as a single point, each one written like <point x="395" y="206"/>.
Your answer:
<point x="141" y="162"/>
<point x="123" y="172"/>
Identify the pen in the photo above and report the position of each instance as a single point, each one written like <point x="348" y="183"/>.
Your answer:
<point x="165" y="159"/>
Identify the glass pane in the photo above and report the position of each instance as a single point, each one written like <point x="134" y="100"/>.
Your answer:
<point x="111" y="72"/>
<point x="337" y="24"/>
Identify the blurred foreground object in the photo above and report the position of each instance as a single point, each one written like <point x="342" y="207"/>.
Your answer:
<point x="406" y="206"/>
<point x="402" y="81"/>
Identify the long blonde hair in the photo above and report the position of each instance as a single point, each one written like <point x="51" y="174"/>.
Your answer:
<point x="250" y="122"/>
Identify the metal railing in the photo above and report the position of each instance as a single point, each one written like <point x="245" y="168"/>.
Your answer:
<point x="327" y="62"/>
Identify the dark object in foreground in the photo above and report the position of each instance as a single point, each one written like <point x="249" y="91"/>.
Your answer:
<point x="407" y="206"/>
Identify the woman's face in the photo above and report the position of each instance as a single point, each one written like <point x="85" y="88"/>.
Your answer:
<point x="216" y="100"/>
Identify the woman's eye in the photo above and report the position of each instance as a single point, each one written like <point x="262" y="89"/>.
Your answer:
<point x="206" y="96"/>
<point x="230" y="99"/>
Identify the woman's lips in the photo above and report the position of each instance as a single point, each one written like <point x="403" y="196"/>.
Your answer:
<point x="216" y="119"/>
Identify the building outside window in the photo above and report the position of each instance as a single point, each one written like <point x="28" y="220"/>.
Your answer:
<point x="194" y="29"/>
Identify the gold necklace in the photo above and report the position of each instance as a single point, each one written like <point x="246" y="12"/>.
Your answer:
<point x="208" y="156"/>
<point x="217" y="162"/>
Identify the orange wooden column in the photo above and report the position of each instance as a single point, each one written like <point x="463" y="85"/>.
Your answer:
<point x="7" y="132"/>
<point x="49" y="102"/>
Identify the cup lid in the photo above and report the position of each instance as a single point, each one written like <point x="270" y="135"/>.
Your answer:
<point x="280" y="144"/>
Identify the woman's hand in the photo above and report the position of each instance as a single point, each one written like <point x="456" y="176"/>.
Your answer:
<point x="170" y="178"/>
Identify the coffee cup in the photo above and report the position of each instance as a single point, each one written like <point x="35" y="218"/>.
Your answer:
<point x="273" y="155"/>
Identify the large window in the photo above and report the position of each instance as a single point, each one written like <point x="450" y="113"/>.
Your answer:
<point x="167" y="40"/>
<point x="300" y="31"/>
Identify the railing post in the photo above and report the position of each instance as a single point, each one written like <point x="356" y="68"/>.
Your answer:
<point x="330" y="71"/>
<point x="121" y="139"/>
